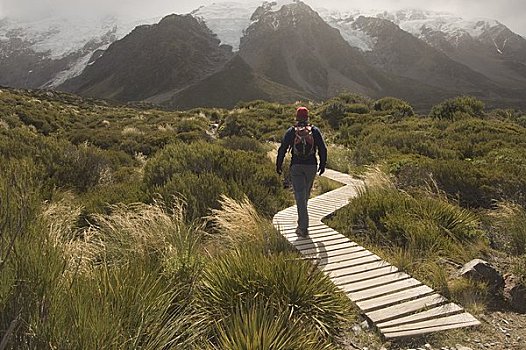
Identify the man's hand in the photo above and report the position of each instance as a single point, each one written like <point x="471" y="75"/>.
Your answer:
<point x="321" y="169"/>
<point x="278" y="169"/>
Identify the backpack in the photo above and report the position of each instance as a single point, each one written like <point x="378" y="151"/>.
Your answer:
<point x="303" y="146"/>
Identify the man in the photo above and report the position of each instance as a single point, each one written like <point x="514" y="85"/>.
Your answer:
<point x="304" y="140"/>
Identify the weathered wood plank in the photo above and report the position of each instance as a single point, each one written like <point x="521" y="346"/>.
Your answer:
<point x="334" y="254"/>
<point x="316" y="235"/>
<point x="327" y="250"/>
<point x="436" y="312"/>
<point x="405" y="308"/>
<point x="345" y="281"/>
<point x="357" y="269"/>
<point x="442" y="327"/>
<point x="349" y="263"/>
<point x="305" y="243"/>
<point x="348" y="256"/>
<point x="395" y="298"/>
<point x="383" y="289"/>
<point x="370" y="279"/>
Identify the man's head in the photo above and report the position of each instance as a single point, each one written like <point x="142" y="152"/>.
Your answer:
<point x="302" y="114"/>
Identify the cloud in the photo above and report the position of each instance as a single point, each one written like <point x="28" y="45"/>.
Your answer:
<point x="509" y="12"/>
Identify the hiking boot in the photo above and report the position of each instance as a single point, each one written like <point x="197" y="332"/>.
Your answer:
<point x="301" y="232"/>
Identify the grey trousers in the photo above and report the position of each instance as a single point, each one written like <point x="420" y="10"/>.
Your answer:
<point x="302" y="177"/>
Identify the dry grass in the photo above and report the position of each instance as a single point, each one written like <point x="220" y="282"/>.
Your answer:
<point x="238" y="221"/>
<point x="376" y="178"/>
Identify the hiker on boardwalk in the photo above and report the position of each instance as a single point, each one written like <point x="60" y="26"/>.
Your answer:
<point x="304" y="140"/>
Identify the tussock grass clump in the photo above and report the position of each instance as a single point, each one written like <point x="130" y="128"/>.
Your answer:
<point x="256" y="325"/>
<point x="510" y="221"/>
<point x="473" y="295"/>
<point x="421" y="222"/>
<point x="127" y="282"/>
<point x="291" y="286"/>
<point x="519" y="269"/>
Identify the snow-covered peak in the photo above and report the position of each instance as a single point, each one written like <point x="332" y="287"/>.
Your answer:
<point x="229" y="20"/>
<point x="418" y="22"/>
<point x="58" y="37"/>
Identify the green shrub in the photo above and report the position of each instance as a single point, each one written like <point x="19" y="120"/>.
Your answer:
<point x="240" y="143"/>
<point x="398" y="108"/>
<point x="458" y="108"/>
<point x="203" y="171"/>
<point x="420" y="224"/>
<point x="473" y="186"/>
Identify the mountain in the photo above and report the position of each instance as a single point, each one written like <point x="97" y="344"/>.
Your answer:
<point x="48" y="51"/>
<point x="295" y="47"/>
<point x="398" y="52"/>
<point x="236" y="82"/>
<point x="285" y="51"/>
<point x="153" y="62"/>
<point x="486" y="46"/>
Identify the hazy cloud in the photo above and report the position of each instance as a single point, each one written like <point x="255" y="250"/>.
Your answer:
<point x="509" y="12"/>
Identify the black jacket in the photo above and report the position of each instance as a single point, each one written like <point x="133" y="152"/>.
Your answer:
<point x="286" y="144"/>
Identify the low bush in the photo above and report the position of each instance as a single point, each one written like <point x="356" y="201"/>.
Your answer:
<point x="398" y="108"/>
<point x="458" y="108"/>
<point x="201" y="172"/>
<point x="419" y="224"/>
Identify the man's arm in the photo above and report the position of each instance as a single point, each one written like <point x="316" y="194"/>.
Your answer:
<point x="282" y="150"/>
<point x="322" y="150"/>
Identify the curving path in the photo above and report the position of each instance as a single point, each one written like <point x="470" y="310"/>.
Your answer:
<point x="396" y="303"/>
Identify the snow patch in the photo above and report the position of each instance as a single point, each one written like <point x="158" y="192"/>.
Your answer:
<point x="344" y="23"/>
<point x="229" y="20"/>
<point x="60" y="37"/>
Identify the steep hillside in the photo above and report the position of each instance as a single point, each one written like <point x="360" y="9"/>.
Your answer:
<point x="236" y="82"/>
<point x="153" y="60"/>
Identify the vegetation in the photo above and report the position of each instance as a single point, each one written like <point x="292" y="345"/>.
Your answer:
<point x="133" y="227"/>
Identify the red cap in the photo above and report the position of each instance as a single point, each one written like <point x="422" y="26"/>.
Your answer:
<point x="302" y="113"/>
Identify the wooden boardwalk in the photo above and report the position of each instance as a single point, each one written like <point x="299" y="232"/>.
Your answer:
<point x="396" y="303"/>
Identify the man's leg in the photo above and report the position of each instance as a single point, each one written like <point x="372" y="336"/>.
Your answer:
<point x="299" y="184"/>
<point x="310" y="174"/>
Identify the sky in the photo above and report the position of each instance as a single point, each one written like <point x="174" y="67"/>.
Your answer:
<point x="509" y="12"/>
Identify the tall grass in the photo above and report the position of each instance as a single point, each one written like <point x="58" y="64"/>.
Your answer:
<point x="125" y="283"/>
<point x="257" y="326"/>
<point x="419" y="223"/>
<point x="291" y="286"/>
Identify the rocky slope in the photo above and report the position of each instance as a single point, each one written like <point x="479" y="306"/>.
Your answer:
<point x="153" y="62"/>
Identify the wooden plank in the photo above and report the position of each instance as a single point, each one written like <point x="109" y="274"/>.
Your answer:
<point x="306" y="243"/>
<point x="327" y="250"/>
<point x="394" y="298"/>
<point x="334" y="254"/>
<point x="383" y="289"/>
<point x="357" y="269"/>
<point x="372" y="279"/>
<point x="438" y="328"/>
<point x="348" y="263"/>
<point x="453" y="319"/>
<point x="405" y="308"/>
<point x="348" y="256"/>
<point x="436" y="312"/>
<point x="315" y="236"/>
<point x="365" y="275"/>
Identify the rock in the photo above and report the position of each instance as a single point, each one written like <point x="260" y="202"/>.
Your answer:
<point x="462" y="347"/>
<point x="515" y="293"/>
<point x="482" y="271"/>
<point x="357" y="329"/>
<point x="428" y="346"/>
<point x="364" y="325"/>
